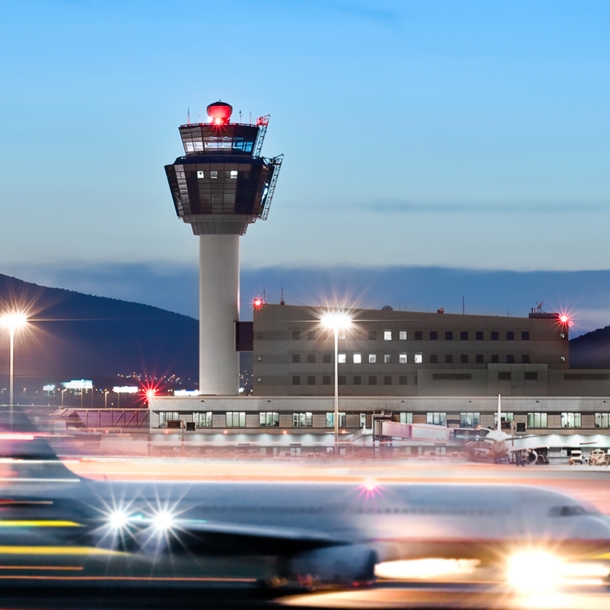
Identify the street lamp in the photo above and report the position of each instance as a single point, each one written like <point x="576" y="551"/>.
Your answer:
<point x="62" y="397"/>
<point x="336" y="321"/>
<point x="13" y="321"/>
<point x="106" y="399"/>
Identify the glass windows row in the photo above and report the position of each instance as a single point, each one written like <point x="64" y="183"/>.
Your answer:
<point x="355" y="380"/>
<point x="479" y="359"/>
<point x="537" y="420"/>
<point x="602" y="420"/>
<point x="269" y="419"/>
<point x="571" y="420"/>
<point x="214" y="173"/>
<point x="402" y="335"/>
<point x="358" y="358"/>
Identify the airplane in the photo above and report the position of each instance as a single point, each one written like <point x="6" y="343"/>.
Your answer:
<point x="487" y="443"/>
<point x="314" y="534"/>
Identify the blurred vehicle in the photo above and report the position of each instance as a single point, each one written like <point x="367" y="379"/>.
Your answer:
<point x="598" y="457"/>
<point x="576" y="458"/>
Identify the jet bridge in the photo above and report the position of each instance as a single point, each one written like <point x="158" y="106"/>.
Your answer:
<point x="416" y="432"/>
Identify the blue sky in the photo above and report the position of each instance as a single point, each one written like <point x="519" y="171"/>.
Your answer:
<point x="466" y="135"/>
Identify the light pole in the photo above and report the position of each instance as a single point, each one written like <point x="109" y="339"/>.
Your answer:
<point x="62" y="396"/>
<point x="105" y="399"/>
<point x="13" y="321"/>
<point x="336" y="321"/>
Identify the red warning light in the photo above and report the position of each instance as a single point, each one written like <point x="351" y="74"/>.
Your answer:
<point x="150" y="393"/>
<point x="220" y="113"/>
<point x="564" y="319"/>
<point x="258" y="303"/>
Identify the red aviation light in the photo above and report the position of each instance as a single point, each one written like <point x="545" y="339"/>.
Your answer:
<point x="150" y="393"/>
<point x="220" y="113"/>
<point x="258" y="303"/>
<point x="564" y="319"/>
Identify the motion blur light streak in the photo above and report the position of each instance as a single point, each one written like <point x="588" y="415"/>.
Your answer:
<point x="425" y="568"/>
<point x="534" y="571"/>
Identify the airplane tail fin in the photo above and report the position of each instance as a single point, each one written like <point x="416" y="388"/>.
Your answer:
<point x="499" y="427"/>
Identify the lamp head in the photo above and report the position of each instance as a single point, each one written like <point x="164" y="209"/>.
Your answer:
<point x="13" y="320"/>
<point x="336" y="320"/>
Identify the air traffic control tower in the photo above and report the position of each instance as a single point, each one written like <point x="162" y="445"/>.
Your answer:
<point x="219" y="187"/>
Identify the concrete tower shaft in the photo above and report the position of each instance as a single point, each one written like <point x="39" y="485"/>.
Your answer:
<point x="220" y="186"/>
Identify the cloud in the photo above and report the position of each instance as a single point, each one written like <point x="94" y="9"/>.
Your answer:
<point x="396" y="206"/>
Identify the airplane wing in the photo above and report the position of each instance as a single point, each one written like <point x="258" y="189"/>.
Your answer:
<point x="229" y="538"/>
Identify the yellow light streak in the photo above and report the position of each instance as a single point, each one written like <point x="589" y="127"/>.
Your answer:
<point x="57" y="550"/>
<point x="38" y="523"/>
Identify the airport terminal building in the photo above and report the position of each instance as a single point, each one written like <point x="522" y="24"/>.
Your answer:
<point x="409" y="367"/>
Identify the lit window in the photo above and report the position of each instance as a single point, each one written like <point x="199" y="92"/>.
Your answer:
<point x="200" y="175"/>
<point x="402" y="358"/>
<point x="214" y="174"/>
<point x="236" y="419"/>
<point x="342" y="359"/>
<point x="436" y="419"/>
<point x="402" y="335"/>
<point x="330" y="420"/>
<point x="571" y="420"/>
<point x="372" y="358"/>
<point x="363" y="420"/>
<point x="269" y="419"/>
<point x="166" y="416"/>
<point x="418" y="358"/>
<point x="357" y="358"/>
<point x="387" y="335"/>
<point x="505" y="420"/>
<point x="302" y="420"/>
<point x="387" y="358"/>
<point x="406" y="418"/>
<point x="602" y="420"/>
<point x="203" y="420"/>
<point x="470" y="420"/>
<point x="537" y="420"/>
<point x="233" y="174"/>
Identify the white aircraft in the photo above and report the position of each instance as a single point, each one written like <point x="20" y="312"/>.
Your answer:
<point x="486" y="443"/>
<point x="315" y="533"/>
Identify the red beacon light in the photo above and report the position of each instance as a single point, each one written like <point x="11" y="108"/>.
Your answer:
<point x="564" y="319"/>
<point x="258" y="303"/>
<point x="220" y="113"/>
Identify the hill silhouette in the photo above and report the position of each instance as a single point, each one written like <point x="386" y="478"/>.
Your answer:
<point x="591" y="350"/>
<point x="74" y="335"/>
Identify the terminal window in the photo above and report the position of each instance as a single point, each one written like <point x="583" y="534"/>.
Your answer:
<point x="419" y="335"/>
<point x="495" y="358"/>
<point x="510" y="335"/>
<point x="433" y="359"/>
<point x="372" y="380"/>
<point x="311" y="380"/>
<point x="387" y="358"/>
<point x="495" y="335"/>
<point x="387" y="380"/>
<point x="525" y="358"/>
<point x="372" y="358"/>
<point x="269" y="419"/>
<point x="233" y="174"/>
<point x="296" y="380"/>
<point x="387" y="335"/>
<point x="464" y="359"/>
<point x="448" y="358"/>
<point x="402" y="358"/>
<point x="464" y="335"/>
<point x="510" y="358"/>
<point x="302" y="420"/>
<point x="470" y="420"/>
<point x="433" y="335"/>
<point x="479" y="359"/>
<point x="602" y="420"/>
<point x="342" y="359"/>
<point x="402" y="380"/>
<point x="436" y="419"/>
<point x="506" y="419"/>
<point x="418" y="358"/>
<point x="330" y="420"/>
<point x="530" y="375"/>
<point x="166" y="416"/>
<point x="402" y="335"/>
<point x="326" y="358"/>
<point x="571" y="420"/>
<point x="326" y="380"/>
<point x="203" y="420"/>
<point x="311" y="358"/>
<point x="236" y="419"/>
<point x="372" y="335"/>
<point x="296" y="358"/>
<point x="342" y="380"/>
<point x="448" y="335"/>
<point x="296" y="335"/>
<point x="200" y="175"/>
<point x="311" y="335"/>
<point x="357" y="358"/>
<point x="525" y="335"/>
<point x="504" y="376"/>
<point x="479" y="335"/>
<point x="537" y="420"/>
<point x="406" y="418"/>
<point x="357" y="380"/>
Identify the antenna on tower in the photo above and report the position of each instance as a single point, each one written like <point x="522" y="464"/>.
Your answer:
<point x="282" y="302"/>
<point x="240" y="116"/>
<point x="188" y="116"/>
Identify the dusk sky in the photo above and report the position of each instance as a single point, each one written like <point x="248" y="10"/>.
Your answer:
<point x="469" y="135"/>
